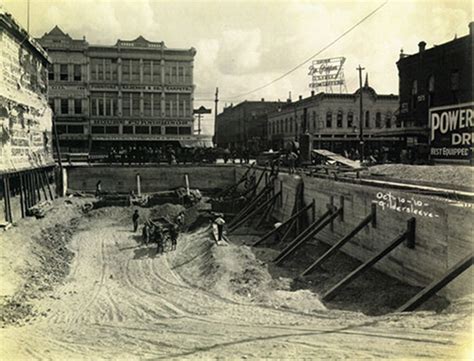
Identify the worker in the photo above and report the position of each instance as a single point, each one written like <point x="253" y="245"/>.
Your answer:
<point x="174" y="236"/>
<point x="146" y="233"/>
<point x="98" y="188"/>
<point x="219" y="221"/>
<point x="180" y="220"/>
<point x="135" y="220"/>
<point x="277" y="226"/>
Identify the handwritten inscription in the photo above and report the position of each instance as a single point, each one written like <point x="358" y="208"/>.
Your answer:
<point x="404" y="205"/>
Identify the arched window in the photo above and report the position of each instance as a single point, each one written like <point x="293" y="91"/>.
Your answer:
<point x="286" y="125"/>
<point x="339" y="119"/>
<point x="378" y="120"/>
<point x="291" y="125"/>
<point x="329" y="119"/>
<point x="414" y="94"/>
<point x="367" y="119"/>
<point x="388" y="120"/>
<point x="350" y="120"/>
<point x="431" y="90"/>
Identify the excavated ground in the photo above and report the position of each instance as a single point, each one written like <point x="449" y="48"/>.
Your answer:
<point x="120" y="300"/>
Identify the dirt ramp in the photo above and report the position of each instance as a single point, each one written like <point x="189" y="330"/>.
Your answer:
<point x="233" y="272"/>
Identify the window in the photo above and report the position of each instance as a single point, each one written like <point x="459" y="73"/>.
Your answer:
<point x="50" y="72"/>
<point x="286" y="125"/>
<point x="77" y="72"/>
<point x="329" y="120"/>
<point x="142" y="129"/>
<point x="367" y="119"/>
<point x="414" y="94"/>
<point x="64" y="106"/>
<point x="454" y="80"/>
<point x="171" y="130"/>
<point x="135" y="71"/>
<point x="100" y="69"/>
<point x="314" y="121"/>
<point x="291" y="125"/>
<point x="93" y="106"/>
<point x="126" y="104"/>
<point x="350" y="120"/>
<point x="147" y="105"/>
<point x="51" y="103"/>
<point x="184" y="130"/>
<point x="98" y="129"/>
<point x="156" y="104"/>
<point x="63" y="73"/>
<point x="107" y="69"/>
<point x="135" y="104"/>
<point x="378" y="120"/>
<point x="127" y="129"/>
<point x="388" y="120"/>
<point x="431" y="88"/>
<point x="168" y="108"/>
<point x="75" y="129"/>
<point x="126" y="70"/>
<point x="147" y="71"/>
<point x="339" y="119"/>
<point x="156" y="72"/>
<point x="112" y="129"/>
<point x="155" y="130"/>
<point x="101" y="109"/>
<point x="61" y="128"/>
<point x="77" y="106"/>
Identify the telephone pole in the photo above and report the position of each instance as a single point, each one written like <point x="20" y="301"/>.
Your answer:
<point x="361" y="120"/>
<point x="216" y="102"/>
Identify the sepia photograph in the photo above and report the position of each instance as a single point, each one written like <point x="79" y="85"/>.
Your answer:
<point x="236" y="180"/>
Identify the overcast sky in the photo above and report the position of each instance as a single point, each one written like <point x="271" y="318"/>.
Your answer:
<point x="242" y="45"/>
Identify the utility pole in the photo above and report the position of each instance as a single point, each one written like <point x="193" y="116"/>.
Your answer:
<point x="216" y="102"/>
<point x="361" y="120"/>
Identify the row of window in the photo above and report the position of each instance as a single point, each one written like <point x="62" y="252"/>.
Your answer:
<point x="288" y="125"/>
<point x="107" y="70"/>
<point x="126" y="129"/>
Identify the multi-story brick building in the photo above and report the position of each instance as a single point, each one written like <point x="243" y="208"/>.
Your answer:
<point x="332" y="120"/>
<point x="438" y="81"/>
<point x="26" y="155"/>
<point x="244" y="125"/>
<point x="129" y="93"/>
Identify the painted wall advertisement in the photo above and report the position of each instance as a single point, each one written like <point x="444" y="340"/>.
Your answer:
<point x="451" y="131"/>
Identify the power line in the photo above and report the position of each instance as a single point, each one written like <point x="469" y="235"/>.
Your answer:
<point x="316" y="54"/>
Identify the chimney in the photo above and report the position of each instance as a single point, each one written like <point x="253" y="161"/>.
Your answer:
<point x="471" y="28"/>
<point x="421" y="46"/>
<point x="263" y="99"/>
<point x="312" y="93"/>
<point x="300" y="97"/>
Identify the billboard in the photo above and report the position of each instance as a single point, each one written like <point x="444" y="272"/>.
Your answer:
<point x="326" y="73"/>
<point x="451" y="130"/>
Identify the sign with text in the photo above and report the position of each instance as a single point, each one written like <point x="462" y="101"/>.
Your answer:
<point x="451" y="131"/>
<point x="327" y="72"/>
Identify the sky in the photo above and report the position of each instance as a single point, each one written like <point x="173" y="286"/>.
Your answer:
<point x="245" y="44"/>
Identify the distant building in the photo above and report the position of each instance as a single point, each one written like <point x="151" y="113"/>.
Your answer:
<point x="244" y="125"/>
<point x="132" y="93"/>
<point x="438" y="80"/>
<point x="332" y="120"/>
<point x="26" y="155"/>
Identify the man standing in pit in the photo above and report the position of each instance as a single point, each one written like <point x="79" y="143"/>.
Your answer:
<point x="220" y="226"/>
<point x="135" y="220"/>
<point x="160" y="239"/>
<point x="174" y="236"/>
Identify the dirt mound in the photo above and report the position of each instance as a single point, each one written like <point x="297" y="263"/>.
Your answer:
<point x="233" y="272"/>
<point x="168" y="210"/>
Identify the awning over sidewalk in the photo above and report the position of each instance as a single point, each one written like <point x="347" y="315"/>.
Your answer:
<point x="196" y="143"/>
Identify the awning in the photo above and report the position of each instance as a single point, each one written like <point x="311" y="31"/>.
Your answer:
<point x="196" y="143"/>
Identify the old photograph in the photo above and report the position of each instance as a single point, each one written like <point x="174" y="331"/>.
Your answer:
<point x="236" y="179"/>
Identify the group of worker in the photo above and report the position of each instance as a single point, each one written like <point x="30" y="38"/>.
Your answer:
<point x="158" y="233"/>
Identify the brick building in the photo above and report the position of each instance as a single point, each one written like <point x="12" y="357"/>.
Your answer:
<point x="244" y="125"/>
<point x="26" y="152"/>
<point x="332" y="120"/>
<point x="439" y="78"/>
<point x="129" y="93"/>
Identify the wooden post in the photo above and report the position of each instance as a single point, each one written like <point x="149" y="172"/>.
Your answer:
<point x="41" y="182"/>
<point x="363" y="267"/>
<point x="286" y="223"/>
<point x="46" y="181"/>
<point x="308" y="235"/>
<point x="438" y="284"/>
<point x="313" y="210"/>
<point x="186" y="182"/>
<point x="6" y="197"/>
<point x="338" y="245"/>
<point x="37" y="184"/>
<point x="22" y="197"/>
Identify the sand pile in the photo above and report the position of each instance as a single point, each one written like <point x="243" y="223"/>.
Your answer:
<point x="233" y="272"/>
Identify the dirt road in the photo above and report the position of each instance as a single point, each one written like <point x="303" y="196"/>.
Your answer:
<point x="120" y="301"/>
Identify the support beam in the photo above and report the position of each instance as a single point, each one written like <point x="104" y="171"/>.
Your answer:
<point x="438" y="284"/>
<point x="234" y="186"/>
<point x="363" y="267"/>
<point x="268" y="210"/>
<point x="306" y="235"/>
<point x="340" y="243"/>
<point x="46" y="181"/>
<point x="6" y="197"/>
<point x="22" y="197"/>
<point x="287" y="222"/>
<point x="252" y="204"/>
<point x="253" y="212"/>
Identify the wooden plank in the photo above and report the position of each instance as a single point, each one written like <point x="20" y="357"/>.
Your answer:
<point x="6" y="197"/>
<point x="363" y="267"/>
<point x="438" y="284"/>
<point x="253" y="212"/>
<point x="338" y="245"/>
<point x="268" y="211"/>
<point x="308" y="236"/>
<point x="251" y="205"/>
<point x="22" y="197"/>
<point x="46" y="181"/>
<point x="286" y="223"/>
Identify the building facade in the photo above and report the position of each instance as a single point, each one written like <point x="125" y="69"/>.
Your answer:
<point x="129" y="93"/>
<point x="26" y="152"/>
<point x="332" y="121"/>
<point x="436" y="100"/>
<point x="244" y="125"/>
